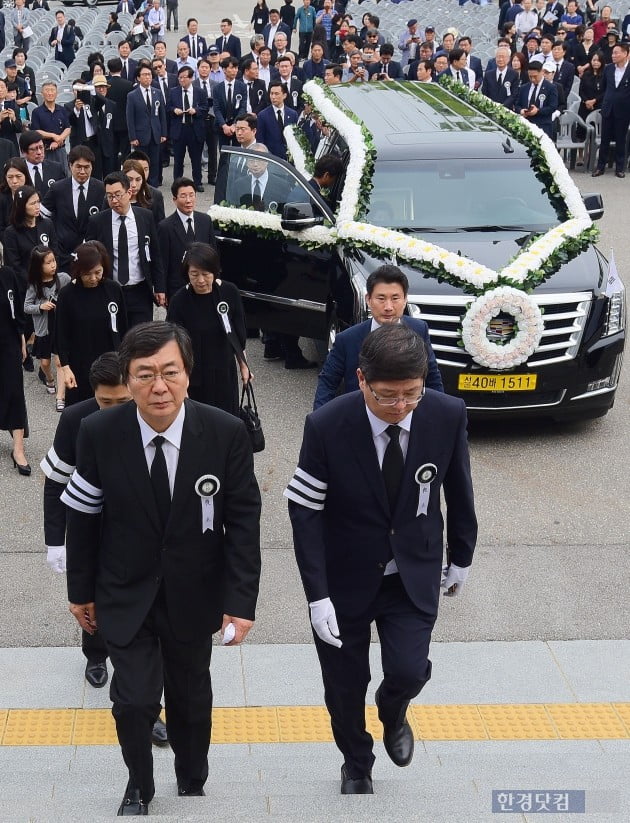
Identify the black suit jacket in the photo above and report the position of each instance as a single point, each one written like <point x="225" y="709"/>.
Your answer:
<point x="257" y="94"/>
<point x="58" y="204"/>
<point x="173" y="245"/>
<point x="100" y="228"/>
<point x="171" y="83"/>
<point x="118" y="555"/>
<point x="344" y="531"/>
<point x="565" y="76"/>
<point x="294" y="93"/>
<point x="505" y="94"/>
<point x="616" y="100"/>
<point x="130" y="74"/>
<point x="51" y="172"/>
<point x="119" y="89"/>
<point x="233" y="45"/>
<point x="106" y="118"/>
<point x="276" y="192"/>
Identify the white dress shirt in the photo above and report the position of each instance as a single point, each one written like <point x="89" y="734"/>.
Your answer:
<point x="619" y="73"/>
<point x="262" y="180"/>
<point x="75" y="193"/>
<point x="135" y="271"/>
<point x="272" y="34"/>
<point x="171" y="446"/>
<point x="185" y="217"/>
<point x="381" y="441"/>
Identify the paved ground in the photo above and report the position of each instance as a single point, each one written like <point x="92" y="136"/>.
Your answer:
<point x="543" y="620"/>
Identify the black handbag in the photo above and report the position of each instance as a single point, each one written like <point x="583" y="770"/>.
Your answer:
<point x="248" y="412"/>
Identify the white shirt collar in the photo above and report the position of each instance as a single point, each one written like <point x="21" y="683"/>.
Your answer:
<point x="376" y="325"/>
<point x="75" y="185"/>
<point x="378" y="426"/>
<point x="184" y="217"/>
<point x="264" y="177"/>
<point x="173" y="434"/>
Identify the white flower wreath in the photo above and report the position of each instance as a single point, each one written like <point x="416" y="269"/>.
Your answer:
<point x="475" y="325"/>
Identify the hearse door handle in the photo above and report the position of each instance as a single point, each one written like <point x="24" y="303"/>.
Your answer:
<point x="234" y="240"/>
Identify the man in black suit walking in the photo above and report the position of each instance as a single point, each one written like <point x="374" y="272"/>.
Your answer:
<point x="119" y="89"/>
<point x="147" y="122"/>
<point x="164" y="494"/>
<point x="187" y="109"/>
<point x="130" y="237"/>
<point x="43" y="172"/>
<point x="182" y="228"/>
<point x="615" y="111"/>
<point x="367" y="525"/>
<point x="70" y="202"/>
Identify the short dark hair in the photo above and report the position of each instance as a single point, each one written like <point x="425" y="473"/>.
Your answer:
<point x="393" y="352"/>
<point x="180" y="183"/>
<point x="336" y="71"/>
<point x="328" y="163"/>
<point x="465" y="38"/>
<point x="563" y="45"/>
<point x="250" y="119"/>
<point x="247" y="63"/>
<point x="387" y="273"/>
<point x="428" y="65"/>
<point x="146" y="339"/>
<point x="284" y="59"/>
<point x="88" y="255"/>
<point x="114" y="64"/>
<point x="455" y="54"/>
<point x="28" y="139"/>
<point x="226" y="20"/>
<point x="117" y="177"/>
<point x="18" y="50"/>
<point x="277" y="83"/>
<point x="138" y="154"/>
<point x="202" y="255"/>
<point x="187" y="71"/>
<point x="353" y="38"/>
<point x="387" y="48"/>
<point x="105" y="371"/>
<point x="191" y="20"/>
<point x="228" y="61"/>
<point x="202" y="60"/>
<point x="81" y="153"/>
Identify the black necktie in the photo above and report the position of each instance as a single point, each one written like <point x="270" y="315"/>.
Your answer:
<point x="193" y="46"/>
<point x="230" y="108"/>
<point x="257" y="200"/>
<point x="190" y="234"/>
<point x="148" y="98"/>
<point x="39" y="183"/>
<point x="124" y="71"/>
<point x="82" y="212"/>
<point x="159" y="481"/>
<point x="225" y="44"/>
<point x="500" y="79"/>
<point x="459" y="77"/>
<point x="186" y="107"/>
<point x="393" y="465"/>
<point x="123" y="253"/>
<point x="280" y="120"/>
<point x="205" y="88"/>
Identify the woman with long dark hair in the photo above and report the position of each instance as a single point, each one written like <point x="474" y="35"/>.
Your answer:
<point x="260" y="16"/>
<point x="14" y="175"/>
<point x="519" y="63"/>
<point x="12" y="353"/>
<point x="44" y="285"/>
<point x="207" y="307"/>
<point x="140" y="191"/>
<point x="591" y="89"/>
<point x="91" y="318"/>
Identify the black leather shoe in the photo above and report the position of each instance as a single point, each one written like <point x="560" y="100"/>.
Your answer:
<point x="133" y="804"/>
<point x="200" y="189"/>
<point x="597" y="173"/>
<point x="355" y="785"/>
<point x="96" y="674"/>
<point x="190" y="792"/>
<point x="159" y="735"/>
<point x="23" y="468"/>
<point x="398" y="741"/>
<point x="41" y="376"/>
<point x="620" y="174"/>
<point x="272" y="352"/>
<point x="28" y="364"/>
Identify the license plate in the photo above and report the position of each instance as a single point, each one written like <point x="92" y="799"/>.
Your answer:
<point x="497" y="382"/>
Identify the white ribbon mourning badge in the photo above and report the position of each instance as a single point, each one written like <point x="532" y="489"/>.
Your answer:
<point x="11" y="303"/>
<point x="223" y="310"/>
<point x="260" y="95"/>
<point x="206" y="487"/>
<point x="94" y="210"/>
<point x="542" y="98"/>
<point x="108" y="119"/>
<point x="157" y="108"/>
<point x="507" y="86"/>
<point x="294" y="95"/>
<point x="43" y="238"/>
<point x="51" y="183"/>
<point x="112" y="308"/>
<point x="147" y="247"/>
<point x="424" y="476"/>
<point x="237" y="101"/>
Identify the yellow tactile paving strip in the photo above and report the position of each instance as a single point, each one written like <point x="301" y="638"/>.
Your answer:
<point x="310" y="724"/>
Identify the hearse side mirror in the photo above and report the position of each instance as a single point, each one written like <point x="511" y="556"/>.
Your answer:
<point x="594" y="205"/>
<point x="299" y="216"/>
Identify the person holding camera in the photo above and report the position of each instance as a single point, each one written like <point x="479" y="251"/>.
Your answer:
<point x="355" y="71"/>
<point x="409" y="42"/>
<point x="386" y="68"/>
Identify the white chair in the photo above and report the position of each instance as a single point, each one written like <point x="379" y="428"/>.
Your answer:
<point x="568" y="141"/>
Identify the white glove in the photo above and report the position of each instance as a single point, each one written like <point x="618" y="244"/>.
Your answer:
<point x="454" y="576"/>
<point x="324" y="621"/>
<point x="56" y="558"/>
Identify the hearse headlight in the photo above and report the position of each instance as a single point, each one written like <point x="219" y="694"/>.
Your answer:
<point x="616" y="312"/>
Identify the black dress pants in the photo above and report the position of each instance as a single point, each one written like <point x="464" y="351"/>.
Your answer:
<point x="156" y="660"/>
<point x="613" y="128"/>
<point x="93" y="647"/>
<point x="405" y="634"/>
<point x="139" y="303"/>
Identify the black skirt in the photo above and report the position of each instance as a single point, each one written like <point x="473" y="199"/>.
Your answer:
<point x="42" y="347"/>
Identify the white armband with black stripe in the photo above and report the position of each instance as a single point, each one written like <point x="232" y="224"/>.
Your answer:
<point x="306" y="490"/>
<point x="55" y="468"/>
<point x="82" y="496"/>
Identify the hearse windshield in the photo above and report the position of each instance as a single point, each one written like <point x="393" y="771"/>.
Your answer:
<point x="459" y="195"/>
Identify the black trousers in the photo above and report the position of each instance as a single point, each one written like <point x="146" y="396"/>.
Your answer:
<point x="305" y="44"/>
<point x="156" y="660"/>
<point x="152" y="150"/>
<point x="139" y="303"/>
<point x="405" y="634"/>
<point x="93" y="647"/>
<point x="614" y="128"/>
<point x="212" y="142"/>
<point x="187" y="140"/>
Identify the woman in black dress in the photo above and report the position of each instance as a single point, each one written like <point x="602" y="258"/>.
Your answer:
<point x="139" y="190"/>
<point x="90" y="318"/>
<point x="592" y="86"/>
<point x="14" y="175"/>
<point x="260" y="16"/>
<point x="197" y="307"/>
<point x="12" y="353"/>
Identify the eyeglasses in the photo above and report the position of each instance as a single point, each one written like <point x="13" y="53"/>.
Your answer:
<point x="394" y="401"/>
<point x="118" y="196"/>
<point x="147" y="379"/>
<point x="199" y="275"/>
